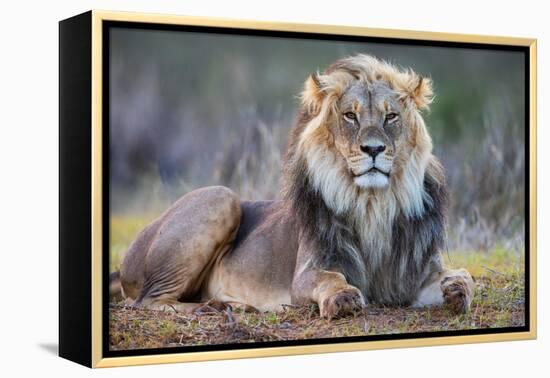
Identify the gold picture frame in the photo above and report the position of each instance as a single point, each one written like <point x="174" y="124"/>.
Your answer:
<point x="92" y="302"/>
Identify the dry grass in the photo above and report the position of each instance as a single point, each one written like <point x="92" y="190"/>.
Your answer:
<point x="498" y="302"/>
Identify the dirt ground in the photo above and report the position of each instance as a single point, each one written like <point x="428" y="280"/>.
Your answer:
<point x="498" y="302"/>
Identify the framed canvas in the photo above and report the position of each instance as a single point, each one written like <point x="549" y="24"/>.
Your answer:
<point x="235" y="189"/>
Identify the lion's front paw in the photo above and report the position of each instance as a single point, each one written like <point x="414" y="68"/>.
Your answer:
<point x="341" y="303"/>
<point x="458" y="292"/>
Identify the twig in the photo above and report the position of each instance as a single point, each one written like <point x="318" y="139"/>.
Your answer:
<point x="229" y="319"/>
<point x="492" y="270"/>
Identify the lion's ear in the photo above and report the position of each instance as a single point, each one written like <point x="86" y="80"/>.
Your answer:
<point x="312" y="95"/>
<point x="420" y="90"/>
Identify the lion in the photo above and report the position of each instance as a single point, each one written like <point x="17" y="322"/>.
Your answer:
<point x="361" y="218"/>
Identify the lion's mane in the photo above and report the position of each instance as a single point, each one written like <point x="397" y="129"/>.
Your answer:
<point x="381" y="241"/>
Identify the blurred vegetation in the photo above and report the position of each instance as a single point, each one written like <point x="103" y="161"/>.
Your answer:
<point x="192" y="109"/>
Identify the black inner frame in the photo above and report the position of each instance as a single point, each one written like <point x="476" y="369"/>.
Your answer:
<point x="108" y="25"/>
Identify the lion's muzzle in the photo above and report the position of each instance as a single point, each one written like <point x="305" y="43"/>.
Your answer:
<point x="374" y="168"/>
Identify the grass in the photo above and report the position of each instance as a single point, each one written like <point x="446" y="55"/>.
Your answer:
<point x="123" y="231"/>
<point x="498" y="302"/>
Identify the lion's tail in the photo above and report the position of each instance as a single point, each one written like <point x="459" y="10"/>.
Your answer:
<point x="115" y="287"/>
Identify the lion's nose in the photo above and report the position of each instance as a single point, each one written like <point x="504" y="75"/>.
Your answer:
<point x="373" y="151"/>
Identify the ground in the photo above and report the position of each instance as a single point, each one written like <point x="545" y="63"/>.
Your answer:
<point x="499" y="301"/>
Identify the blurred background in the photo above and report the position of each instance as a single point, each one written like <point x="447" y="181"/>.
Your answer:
<point x="194" y="109"/>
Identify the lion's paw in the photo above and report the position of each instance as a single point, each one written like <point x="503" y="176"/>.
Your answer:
<point x="458" y="292"/>
<point x="343" y="302"/>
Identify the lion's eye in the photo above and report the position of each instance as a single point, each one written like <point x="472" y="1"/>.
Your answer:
<point x="391" y="116"/>
<point x="350" y="116"/>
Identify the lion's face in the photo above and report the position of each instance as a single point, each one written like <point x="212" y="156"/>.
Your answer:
<point x="365" y="130"/>
<point x="369" y="131"/>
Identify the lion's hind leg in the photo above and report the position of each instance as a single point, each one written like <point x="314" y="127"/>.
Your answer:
<point x="453" y="288"/>
<point x="194" y="234"/>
